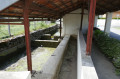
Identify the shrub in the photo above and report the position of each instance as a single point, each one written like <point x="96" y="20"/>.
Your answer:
<point x="109" y="46"/>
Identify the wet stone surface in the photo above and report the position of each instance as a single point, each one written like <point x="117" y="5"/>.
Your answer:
<point x="69" y="65"/>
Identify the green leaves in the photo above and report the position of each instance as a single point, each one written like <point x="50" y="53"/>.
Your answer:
<point x="109" y="46"/>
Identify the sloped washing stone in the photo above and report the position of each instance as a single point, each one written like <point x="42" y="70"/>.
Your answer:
<point x="15" y="75"/>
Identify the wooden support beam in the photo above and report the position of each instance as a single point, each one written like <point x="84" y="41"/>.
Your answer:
<point x="12" y="23"/>
<point x="90" y="27"/>
<point x="21" y="20"/>
<point x="82" y="17"/>
<point x="27" y="34"/>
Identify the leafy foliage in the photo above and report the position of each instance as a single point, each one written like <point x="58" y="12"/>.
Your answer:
<point x="109" y="46"/>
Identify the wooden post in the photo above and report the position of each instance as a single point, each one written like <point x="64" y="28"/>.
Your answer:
<point x="27" y="34"/>
<point x="82" y="17"/>
<point x="91" y="25"/>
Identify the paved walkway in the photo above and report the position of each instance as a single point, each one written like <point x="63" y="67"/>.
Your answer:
<point x="114" y="32"/>
<point x="104" y="67"/>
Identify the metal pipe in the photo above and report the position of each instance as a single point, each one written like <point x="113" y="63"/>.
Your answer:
<point x="9" y="30"/>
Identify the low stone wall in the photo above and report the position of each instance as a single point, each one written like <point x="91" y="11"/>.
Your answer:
<point x="19" y="41"/>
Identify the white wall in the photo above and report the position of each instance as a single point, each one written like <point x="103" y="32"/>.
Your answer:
<point x="71" y="22"/>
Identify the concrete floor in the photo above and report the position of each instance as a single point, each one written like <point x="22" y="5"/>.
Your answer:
<point x="69" y="66"/>
<point x="104" y="67"/>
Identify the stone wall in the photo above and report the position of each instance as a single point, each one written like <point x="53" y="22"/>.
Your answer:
<point x="19" y="41"/>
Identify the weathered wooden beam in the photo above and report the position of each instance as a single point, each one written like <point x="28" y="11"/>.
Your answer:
<point x="11" y="23"/>
<point x="20" y="20"/>
<point x="90" y="27"/>
<point x="27" y="33"/>
<point x="82" y="16"/>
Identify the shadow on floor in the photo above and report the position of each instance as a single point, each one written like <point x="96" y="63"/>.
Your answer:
<point x="103" y="66"/>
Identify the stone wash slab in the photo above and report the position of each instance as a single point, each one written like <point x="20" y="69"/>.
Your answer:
<point x="86" y="69"/>
<point x="15" y="75"/>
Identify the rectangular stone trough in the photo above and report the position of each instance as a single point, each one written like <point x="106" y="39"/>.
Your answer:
<point x="51" y="69"/>
<point x="85" y="66"/>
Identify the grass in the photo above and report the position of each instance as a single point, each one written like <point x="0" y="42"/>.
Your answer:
<point x="116" y="27"/>
<point x="19" y="29"/>
<point x="40" y="56"/>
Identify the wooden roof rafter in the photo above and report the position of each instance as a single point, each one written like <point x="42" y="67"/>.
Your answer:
<point x="56" y="8"/>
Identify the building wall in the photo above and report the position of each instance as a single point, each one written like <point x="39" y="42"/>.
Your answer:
<point x="116" y="15"/>
<point x="71" y="22"/>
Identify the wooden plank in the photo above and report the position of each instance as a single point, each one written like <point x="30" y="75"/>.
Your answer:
<point x="12" y="23"/>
